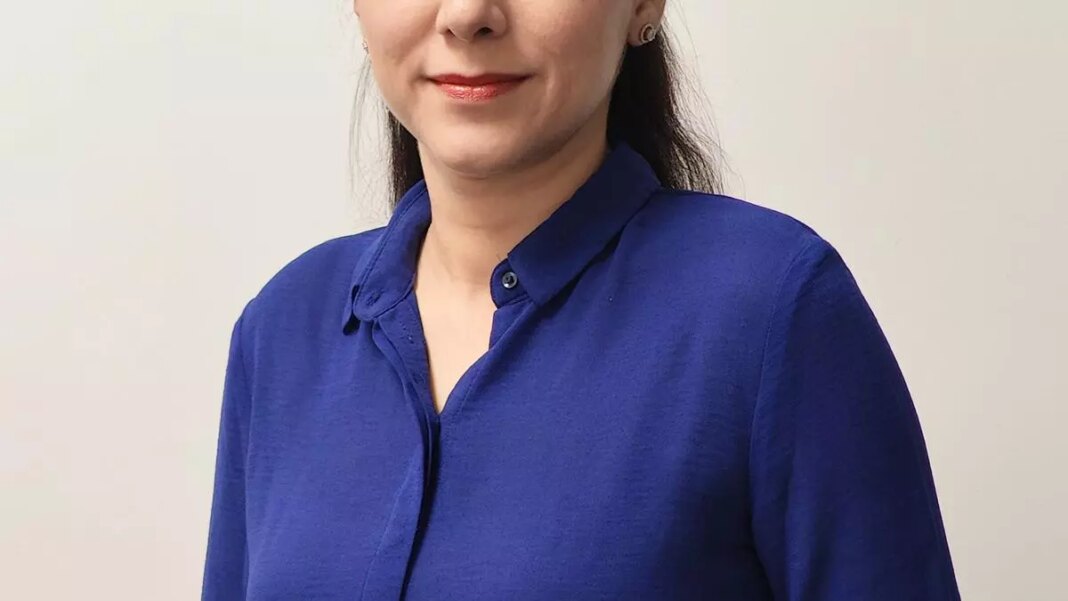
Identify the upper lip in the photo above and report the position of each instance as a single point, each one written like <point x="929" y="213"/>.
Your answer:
<point x="475" y="80"/>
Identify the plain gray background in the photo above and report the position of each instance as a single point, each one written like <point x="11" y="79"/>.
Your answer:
<point x="159" y="161"/>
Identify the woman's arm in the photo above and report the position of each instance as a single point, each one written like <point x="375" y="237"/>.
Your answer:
<point x="226" y="563"/>
<point x="843" y="498"/>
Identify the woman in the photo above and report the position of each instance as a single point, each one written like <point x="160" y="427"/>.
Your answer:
<point x="583" y="379"/>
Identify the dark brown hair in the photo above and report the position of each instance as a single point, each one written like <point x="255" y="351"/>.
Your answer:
<point x="646" y="111"/>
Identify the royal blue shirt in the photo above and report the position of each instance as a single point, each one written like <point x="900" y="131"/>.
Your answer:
<point x="685" y="396"/>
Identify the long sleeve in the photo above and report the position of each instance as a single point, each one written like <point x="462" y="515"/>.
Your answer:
<point x="842" y="494"/>
<point x="226" y="562"/>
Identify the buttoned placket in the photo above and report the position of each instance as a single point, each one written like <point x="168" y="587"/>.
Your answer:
<point x="383" y="299"/>
<point x="399" y="333"/>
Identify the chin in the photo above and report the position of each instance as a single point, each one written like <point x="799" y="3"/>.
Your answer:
<point x="478" y="153"/>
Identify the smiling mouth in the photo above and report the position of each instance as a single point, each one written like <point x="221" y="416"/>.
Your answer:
<point x="478" y="88"/>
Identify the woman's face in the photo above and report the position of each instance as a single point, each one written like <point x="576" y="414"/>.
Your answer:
<point x="568" y="52"/>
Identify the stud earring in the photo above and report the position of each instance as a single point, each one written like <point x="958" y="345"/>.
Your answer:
<point x="648" y="34"/>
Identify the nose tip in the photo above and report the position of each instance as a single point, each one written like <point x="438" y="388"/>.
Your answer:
<point x="470" y="20"/>
<point x="483" y="32"/>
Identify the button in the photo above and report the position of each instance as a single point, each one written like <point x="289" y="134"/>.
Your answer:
<point x="509" y="279"/>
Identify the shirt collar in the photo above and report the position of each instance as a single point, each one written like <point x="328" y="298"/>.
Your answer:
<point x="545" y="261"/>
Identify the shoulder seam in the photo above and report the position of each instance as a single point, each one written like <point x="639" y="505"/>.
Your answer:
<point x="775" y="306"/>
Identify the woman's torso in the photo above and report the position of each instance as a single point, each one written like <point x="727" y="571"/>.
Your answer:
<point x="598" y="449"/>
<point x="684" y="396"/>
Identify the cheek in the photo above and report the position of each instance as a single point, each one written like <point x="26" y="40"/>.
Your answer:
<point x="583" y="63"/>
<point x="396" y="30"/>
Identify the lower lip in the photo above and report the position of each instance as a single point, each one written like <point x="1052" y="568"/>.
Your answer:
<point x="479" y="93"/>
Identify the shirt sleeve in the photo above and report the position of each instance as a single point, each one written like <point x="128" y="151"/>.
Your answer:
<point x="226" y="562"/>
<point x="842" y="495"/>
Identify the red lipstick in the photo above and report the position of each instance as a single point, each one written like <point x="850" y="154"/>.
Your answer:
<point x="478" y="87"/>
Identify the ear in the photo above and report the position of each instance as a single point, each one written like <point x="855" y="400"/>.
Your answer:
<point x="645" y="12"/>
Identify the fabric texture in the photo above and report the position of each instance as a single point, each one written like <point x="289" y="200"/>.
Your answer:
<point x="684" y="396"/>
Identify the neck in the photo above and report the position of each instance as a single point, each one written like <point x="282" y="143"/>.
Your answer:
<point x="476" y="221"/>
